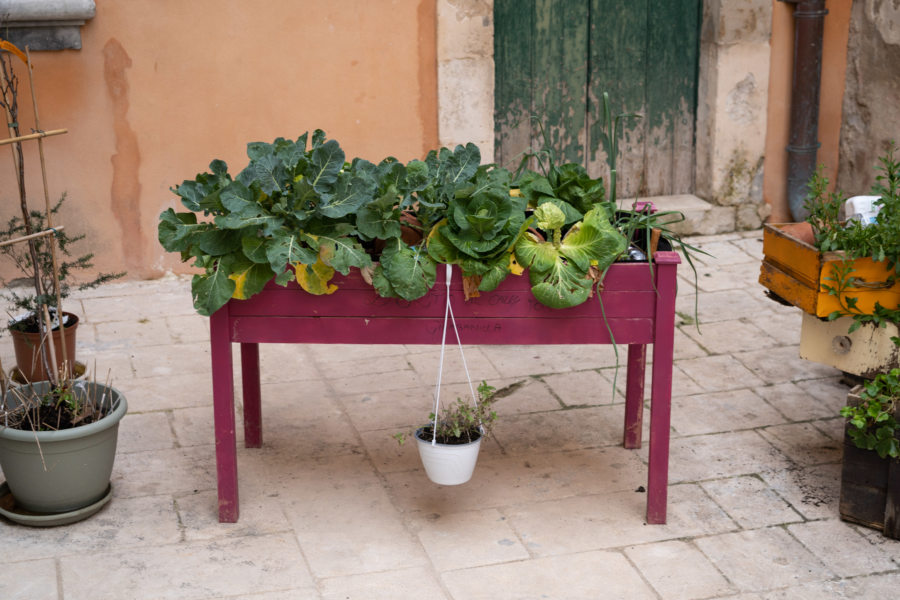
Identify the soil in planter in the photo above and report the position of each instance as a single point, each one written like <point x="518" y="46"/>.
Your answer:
<point x="52" y="415"/>
<point x="49" y="418"/>
<point x="31" y="323"/>
<point x="449" y="441"/>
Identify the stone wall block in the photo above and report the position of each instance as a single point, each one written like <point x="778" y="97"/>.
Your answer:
<point x="465" y="29"/>
<point x="466" y="92"/>
<point x="871" y="117"/>
<point x="737" y="21"/>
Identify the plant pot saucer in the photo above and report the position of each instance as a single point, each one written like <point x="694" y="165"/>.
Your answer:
<point x="9" y="510"/>
<point x="15" y="375"/>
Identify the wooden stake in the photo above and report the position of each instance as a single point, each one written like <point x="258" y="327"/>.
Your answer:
<point x="32" y="236"/>
<point x="56" y="286"/>
<point x="33" y="136"/>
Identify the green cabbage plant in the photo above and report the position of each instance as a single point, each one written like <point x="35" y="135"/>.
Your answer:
<point x="560" y="266"/>
<point x="483" y="224"/>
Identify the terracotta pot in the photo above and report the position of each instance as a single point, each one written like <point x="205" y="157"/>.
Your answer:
<point x="28" y="358"/>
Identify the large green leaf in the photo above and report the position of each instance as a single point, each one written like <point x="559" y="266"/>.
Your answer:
<point x="249" y="278"/>
<point x="439" y="248"/>
<point x="287" y="248"/>
<point x="176" y="230"/>
<point x="410" y="271"/>
<point x="266" y="171"/>
<point x="596" y="241"/>
<point x="341" y="253"/>
<point x="349" y="194"/>
<point x="261" y="219"/>
<point x="245" y="211"/>
<point x="380" y="218"/>
<point x="381" y="284"/>
<point x="536" y="255"/>
<point x="417" y="176"/>
<point x="326" y="161"/>
<point x="495" y="274"/>
<point x="461" y="164"/>
<point x="218" y="242"/>
<point x="562" y="286"/>
<point x="254" y="248"/>
<point x="213" y="289"/>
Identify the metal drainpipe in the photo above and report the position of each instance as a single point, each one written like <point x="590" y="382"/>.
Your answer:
<point x="809" y="25"/>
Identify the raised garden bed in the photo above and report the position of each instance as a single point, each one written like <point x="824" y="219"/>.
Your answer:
<point x="639" y="306"/>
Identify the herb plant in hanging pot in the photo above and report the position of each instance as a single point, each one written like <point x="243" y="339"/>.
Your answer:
<point x="449" y="445"/>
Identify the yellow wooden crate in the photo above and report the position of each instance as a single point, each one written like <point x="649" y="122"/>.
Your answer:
<point x="796" y="271"/>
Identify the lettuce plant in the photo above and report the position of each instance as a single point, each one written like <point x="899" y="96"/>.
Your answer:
<point x="560" y="268"/>
<point x="482" y="226"/>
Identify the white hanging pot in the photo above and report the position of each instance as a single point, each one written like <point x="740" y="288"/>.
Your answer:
<point x="447" y="464"/>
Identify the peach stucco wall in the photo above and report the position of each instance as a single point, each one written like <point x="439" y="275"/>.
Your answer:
<point x="834" y="67"/>
<point x="161" y="88"/>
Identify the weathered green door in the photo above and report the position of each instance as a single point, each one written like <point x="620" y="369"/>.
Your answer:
<point x="555" y="58"/>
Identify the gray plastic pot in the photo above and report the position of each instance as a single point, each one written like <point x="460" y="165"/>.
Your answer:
<point x="78" y="461"/>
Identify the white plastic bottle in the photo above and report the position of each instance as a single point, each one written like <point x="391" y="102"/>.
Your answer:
<point x="862" y="209"/>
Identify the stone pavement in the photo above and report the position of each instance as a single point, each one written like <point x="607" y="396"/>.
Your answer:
<point x="332" y="508"/>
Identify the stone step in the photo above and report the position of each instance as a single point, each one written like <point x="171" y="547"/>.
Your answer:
<point x="700" y="217"/>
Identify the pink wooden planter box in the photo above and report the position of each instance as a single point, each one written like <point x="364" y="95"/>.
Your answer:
<point x="640" y="310"/>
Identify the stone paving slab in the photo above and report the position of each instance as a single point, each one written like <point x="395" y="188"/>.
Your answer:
<point x="332" y="508"/>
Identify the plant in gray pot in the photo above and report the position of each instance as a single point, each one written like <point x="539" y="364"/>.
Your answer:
<point x="57" y="447"/>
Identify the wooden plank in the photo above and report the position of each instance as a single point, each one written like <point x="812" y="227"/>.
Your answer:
<point x="617" y="65"/>
<point x="796" y="271"/>
<point x="892" y="502"/>
<point x="498" y="304"/>
<point x="863" y="487"/>
<point x="671" y="80"/>
<point x="787" y="286"/>
<point x="791" y="255"/>
<point x="560" y="75"/>
<point x="425" y="330"/>
<point x="514" y="69"/>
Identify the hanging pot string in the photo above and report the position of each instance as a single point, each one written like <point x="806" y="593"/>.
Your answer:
<point x="448" y="312"/>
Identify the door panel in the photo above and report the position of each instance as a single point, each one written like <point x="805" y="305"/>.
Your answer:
<point x="555" y="58"/>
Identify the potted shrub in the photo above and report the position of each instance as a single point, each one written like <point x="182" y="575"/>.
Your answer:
<point x="38" y="333"/>
<point x="57" y="447"/>
<point x="449" y="444"/>
<point x="831" y="267"/>
<point x="870" y="476"/>
<point x="27" y="329"/>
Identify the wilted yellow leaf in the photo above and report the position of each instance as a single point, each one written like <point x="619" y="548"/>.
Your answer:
<point x="314" y="278"/>
<point x="514" y="267"/>
<point x="239" y="280"/>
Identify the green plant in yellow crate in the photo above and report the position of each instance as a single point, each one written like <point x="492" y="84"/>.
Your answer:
<point x="879" y="240"/>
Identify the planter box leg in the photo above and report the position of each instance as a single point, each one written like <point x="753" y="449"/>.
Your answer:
<point x="892" y="506"/>
<point x="634" y="395"/>
<point x="250" y="384"/>
<point x="661" y="393"/>
<point x="223" y="413"/>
